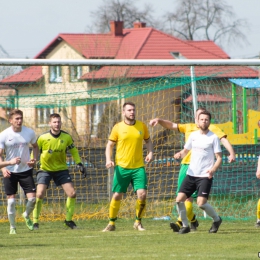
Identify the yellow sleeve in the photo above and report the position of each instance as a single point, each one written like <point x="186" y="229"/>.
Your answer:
<point x="217" y="131"/>
<point x="182" y="128"/>
<point x="114" y="134"/>
<point x="146" y="132"/>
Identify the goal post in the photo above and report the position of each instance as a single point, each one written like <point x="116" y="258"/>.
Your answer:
<point x="89" y="94"/>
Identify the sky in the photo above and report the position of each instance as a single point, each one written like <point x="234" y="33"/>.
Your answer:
<point x="27" y="26"/>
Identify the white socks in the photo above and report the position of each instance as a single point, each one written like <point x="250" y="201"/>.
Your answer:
<point x="11" y="211"/>
<point x="29" y="207"/>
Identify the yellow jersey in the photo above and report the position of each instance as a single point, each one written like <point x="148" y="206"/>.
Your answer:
<point x="129" y="143"/>
<point x="187" y="129"/>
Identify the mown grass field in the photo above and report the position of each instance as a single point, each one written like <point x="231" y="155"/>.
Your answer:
<point x="235" y="240"/>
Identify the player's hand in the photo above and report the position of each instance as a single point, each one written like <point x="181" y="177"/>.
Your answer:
<point x="149" y="157"/>
<point x="154" y="122"/>
<point x="110" y="164"/>
<point x="231" y="158"/>
<point x="6" y="173"/>
<point x="211" y="173"/>
<point x="82" y="169"/>
<point x="177" y="156"/>
<point x="16" y="160"/>
<point x="31" y="163"/>
<point x="258" y="174"/>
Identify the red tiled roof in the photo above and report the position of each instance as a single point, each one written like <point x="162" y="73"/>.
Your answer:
<point x="176" y="71"/>
<point x="28" y="75"/>
<point x="207" y="98"/>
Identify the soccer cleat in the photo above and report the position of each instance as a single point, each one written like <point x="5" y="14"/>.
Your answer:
<point x="109" y="228"/>
<point x="28" y="223"/>
<point x="138" y="226"/>
<point x="257" y="224"/>
<point x="194" y="225"/>
<point x="12" y="231"/>
<point x="71" y="224"/>
<point x="175" y="227"/>
<point x="184" y="230"/>
<point x="36" y="226"/>
<point x="215" y="226"/>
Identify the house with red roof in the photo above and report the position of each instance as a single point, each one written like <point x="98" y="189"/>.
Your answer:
<point x="44" y="90"/>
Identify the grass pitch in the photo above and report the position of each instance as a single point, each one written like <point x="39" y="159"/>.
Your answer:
<point x="235" y="240"/>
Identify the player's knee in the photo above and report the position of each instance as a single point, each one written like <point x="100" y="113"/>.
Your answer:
<point x="72" y="194"/>
<point x="201" y="205"/>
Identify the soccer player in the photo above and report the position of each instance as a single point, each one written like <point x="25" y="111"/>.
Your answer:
<point x="15" y="141"/>
<point x="53" y="146"/>
<point x="187" y="129"/>
<point x="204" y="145"/>
<point x="128" y="136"/>
<point x="258" y="204"/>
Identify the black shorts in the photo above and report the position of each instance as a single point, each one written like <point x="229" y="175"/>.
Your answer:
<point x="201" y="184"/>
<point x="59" y="177"/>
<point x="25" y="179"/>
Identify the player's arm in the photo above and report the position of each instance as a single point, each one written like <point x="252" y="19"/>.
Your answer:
<point x="5" y="171"/>
<point x="164" y="123"/>
<point x="35" y="154"/>
<point x="13" y="161"/>
<point x="228" y="146"/>
<point x="149" y="147"/>
<point x="181" y="154"/>
<point x="216" y="165"/>
<point x="109" y="153"/>
<point x="258" y="169"/>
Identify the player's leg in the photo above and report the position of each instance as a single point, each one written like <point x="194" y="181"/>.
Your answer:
<point x="139" y="182"/>
<point x="121" y="181"/>
<point x="27" y="183"/>
<point x="204" y="186"/>
<point x="189" y="202"/>
<point x="43" y="180"/>
<point x="188" y="186"/>
<point x="10" y="185"/>
<point x="70" y="204"/>
<point x="258" y="214"/>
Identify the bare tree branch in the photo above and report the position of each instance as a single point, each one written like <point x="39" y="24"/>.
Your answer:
<point x="206" y="20"/>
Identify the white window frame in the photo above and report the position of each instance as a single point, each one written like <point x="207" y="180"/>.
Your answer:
<point x="43" y="114"/>
<point x="75" y="73"/>
<point x="98" y="110"/>
<point x="55" y="74"/>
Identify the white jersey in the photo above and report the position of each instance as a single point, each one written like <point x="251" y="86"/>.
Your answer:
<point x="204" y="147"/>
<point x="16" y="144"/>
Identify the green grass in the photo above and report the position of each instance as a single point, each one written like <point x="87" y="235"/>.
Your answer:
<point x="235" y="240"/>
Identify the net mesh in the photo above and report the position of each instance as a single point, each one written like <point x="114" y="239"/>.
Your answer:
<point x="89" y="100"/>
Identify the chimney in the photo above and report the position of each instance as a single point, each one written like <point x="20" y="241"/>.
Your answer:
<point x="116" y="27"/>
<point x="139" y="24"/>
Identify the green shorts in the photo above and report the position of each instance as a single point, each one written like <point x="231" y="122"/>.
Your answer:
<point x="182" y="175"/>
<point x="123" y="177"/>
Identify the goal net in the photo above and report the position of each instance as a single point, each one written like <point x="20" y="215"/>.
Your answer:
<point x="89" y="97"/>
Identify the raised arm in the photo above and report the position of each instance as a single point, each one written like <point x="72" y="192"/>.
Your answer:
<point x="109" y="152"/>
<point x="228" y="146"/>
<point x="164" y="123"/>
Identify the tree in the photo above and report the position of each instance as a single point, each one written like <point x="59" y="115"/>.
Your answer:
<point x="120" y="10"/>
<point x="206" y="20"/>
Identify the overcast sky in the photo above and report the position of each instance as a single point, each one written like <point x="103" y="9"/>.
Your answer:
<point x="27" y="26"/>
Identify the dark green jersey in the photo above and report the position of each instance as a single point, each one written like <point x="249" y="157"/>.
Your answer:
<point x="53" y="149"/>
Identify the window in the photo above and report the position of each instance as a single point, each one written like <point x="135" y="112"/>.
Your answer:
<point x="10" y="103"/>
<point x="75" y="73"/>
<point x="43" y="116"/>
<point x="98" y="110"/>
<point x="55" y="74"/>
<point x="177" y="55"/>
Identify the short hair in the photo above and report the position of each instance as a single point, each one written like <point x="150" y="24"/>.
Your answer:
<point x="201" y="108"/>
<point x="205" y="112"/>
<point x="54" y="115"/>
<point x="15" y="112"/>
<point x="128" y="103"/>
